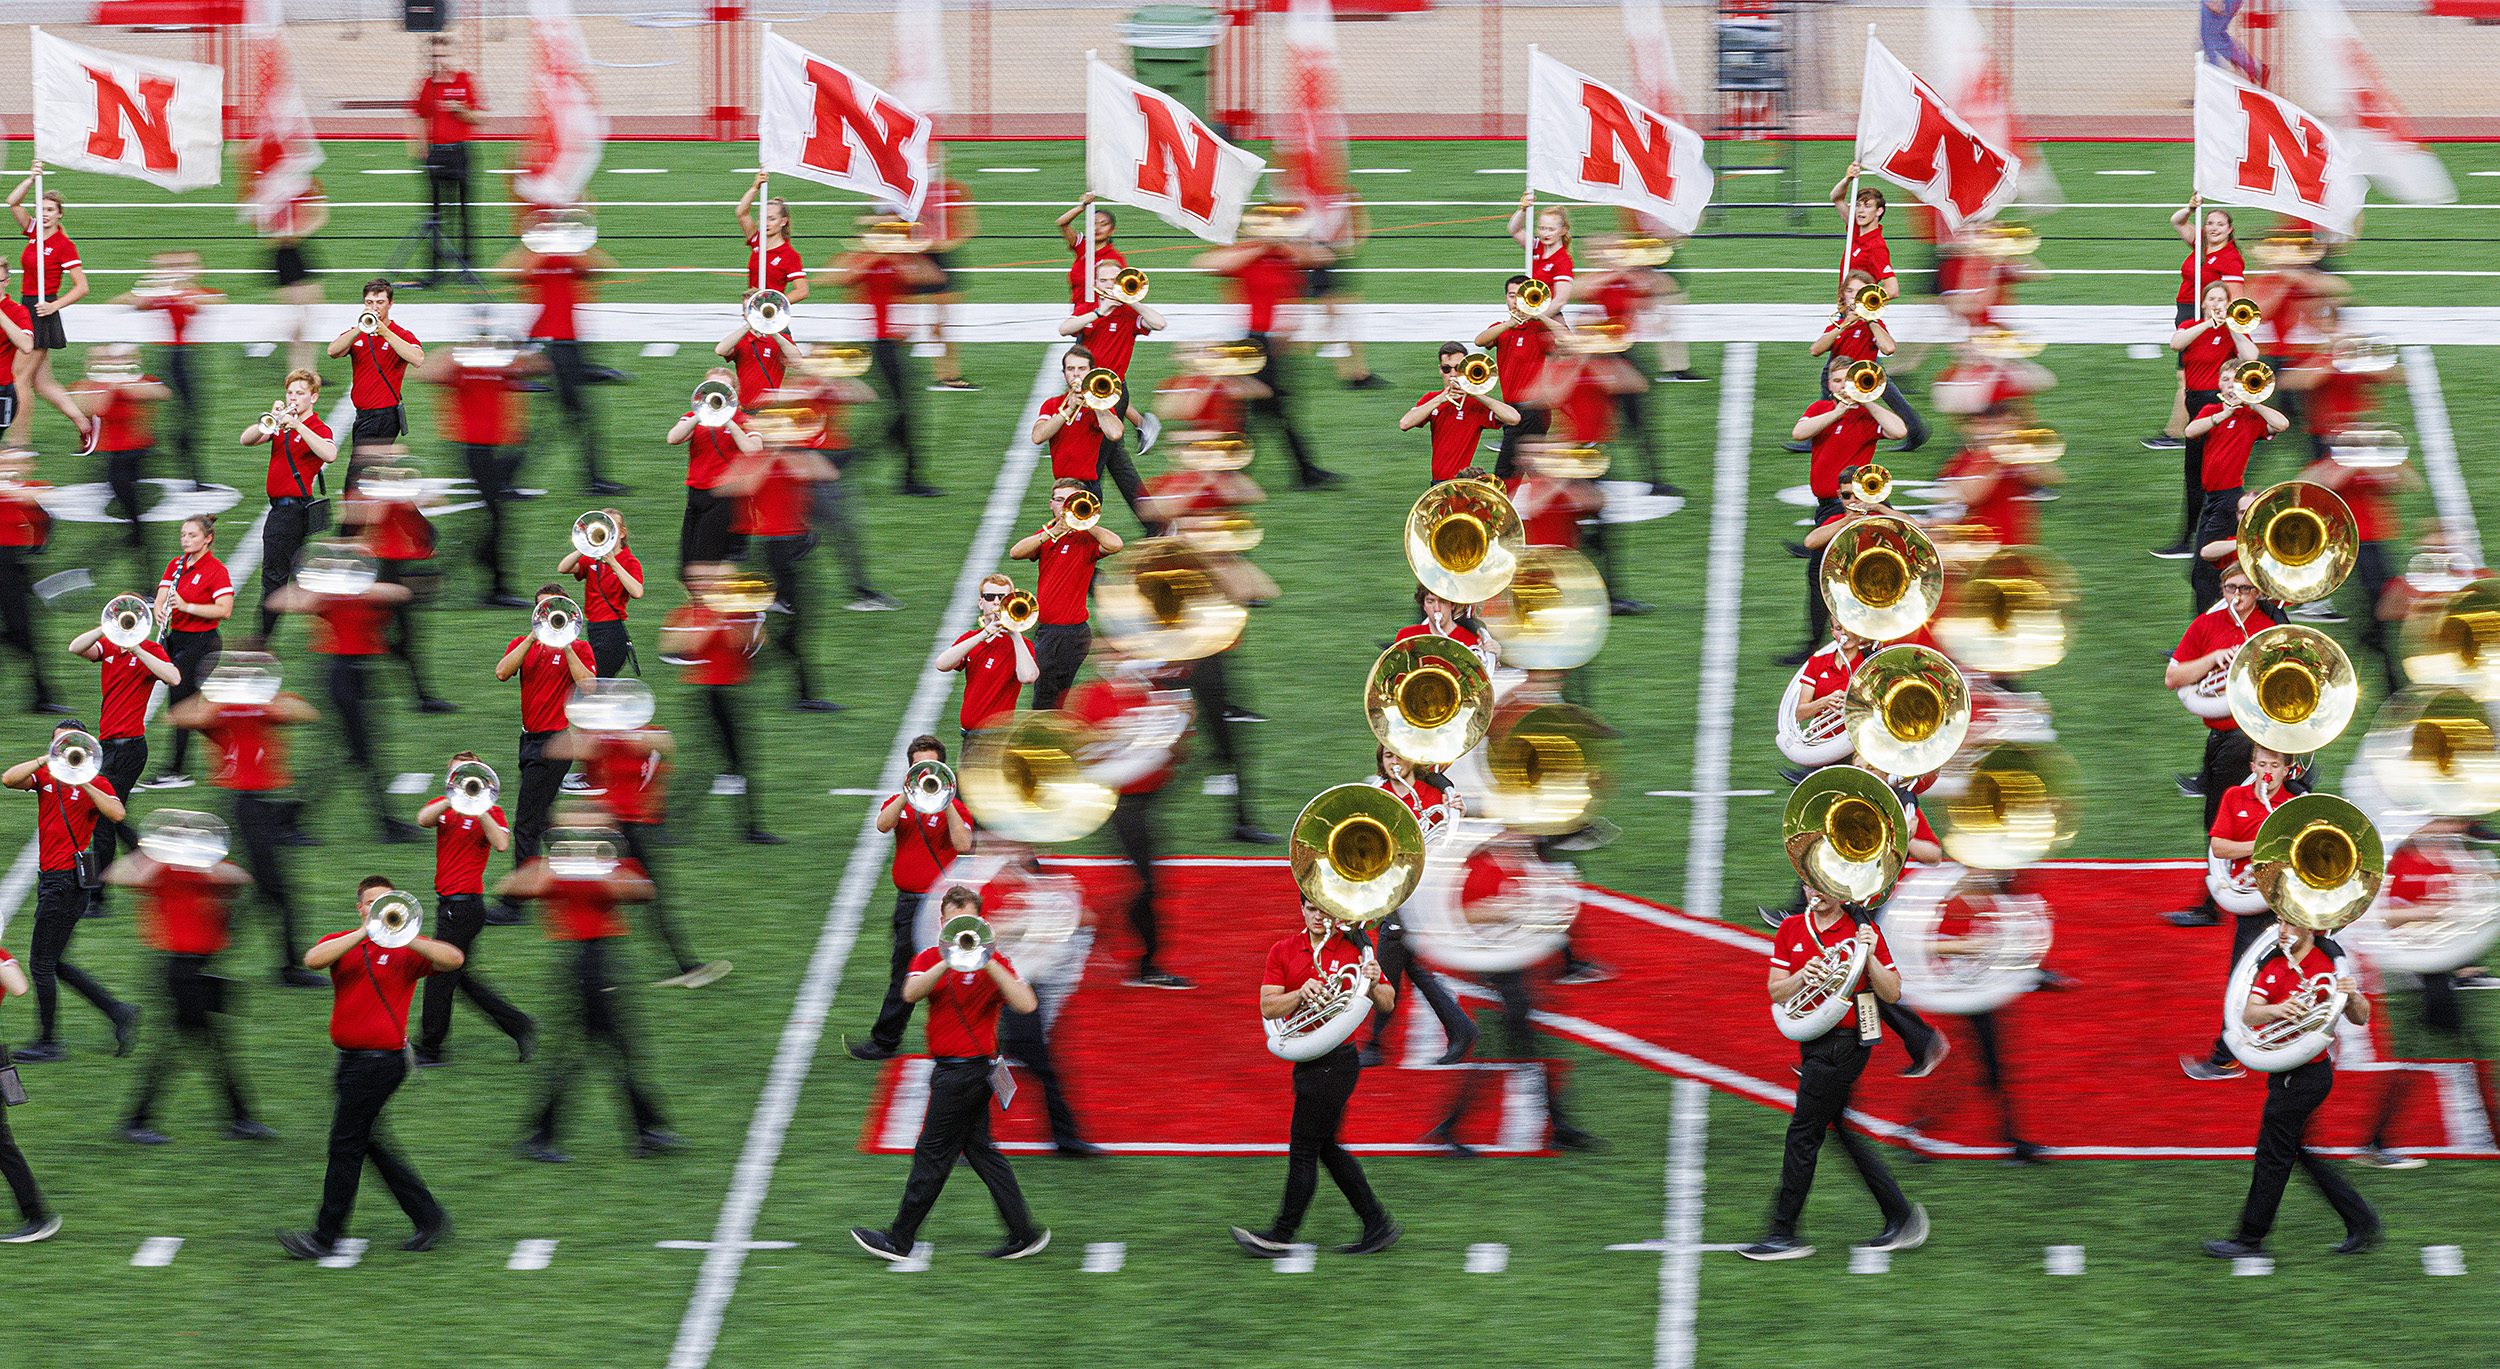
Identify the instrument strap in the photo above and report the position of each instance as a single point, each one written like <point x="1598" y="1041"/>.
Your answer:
<point x="407" y="1048"/>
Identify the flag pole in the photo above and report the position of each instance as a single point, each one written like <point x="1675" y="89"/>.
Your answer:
<point x="1087" y="209"/>
<point x="2196" y="232"/>
<point x="764" y="191"/>
<point x="41" y="294"/>
<point x="1528" y="224"/>
<point x="1849" y="203"/>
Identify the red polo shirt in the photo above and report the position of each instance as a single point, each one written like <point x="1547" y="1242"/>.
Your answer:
<point x="2223" y="263"/>
<point x="761" y="361"/>
<point x="1103" y="252"/>
<point x="962" y="1012"/>
<point x="1856" y="341"/>
<point x="1076" y="449"/>
<point x="375" y="372"/>
<point x="1550" y="266"/>
<point x="461" y="851"/>
<point x="1067" y="577"/>
<point x="878" y="284"/>
<point x="546" y="682"/>
<point x="1798" y="941"/>
<point x="603" y="595"/>
<point x="584" y="909"/>
<point x="124" y="419"/>
<point x="1828" y="672"/>
<point x="370" y="992"/>
<point x="629" y="766"/>
<point x="1112" y="338"/>
<point x="1519" y="355"/>
<point x="2241" y="813"/>
<point x="252" y="754"/>
<point x="718" y="653"/>
<point x="196" y="581"/>
<point x="1264" y="282"/>
<point x="351" y="625"/>
<point x="64" y="819"/>
<point x="772" y="270"/>
<point x="1291" y="962"/>
<point x="436" y="94"/>
<point x="186" y="912"/>
<point x="778" y="505"/>
<point x="1868" y="252"/>
<point x="1458" y="633"/>
<point x="2213" y="630"/>
<point x="1455" y="430"/>
<point x="558" y="283"/>
<point x="2228" y="443"/>
<point x="485" y="408"/>
<point x="293" y="465"/>
<point x="709" y="454"/>
<point x="2002" y="509"/>
<point x="124" y="714"/>
<point x="2201" y="361"/>
<point x="1102" y="702"/>
<point x="59" y="255"/>
<point x="990" y="683"/>
<point x="1849" y="442"/>
<point x="921" y="850"/>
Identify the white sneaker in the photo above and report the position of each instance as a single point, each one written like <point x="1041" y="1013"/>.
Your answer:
<point x="1221" y="786"/>
<point x="576" y="782"/>
<point x="1147" y="431"/>
<point x="729" y="786"/>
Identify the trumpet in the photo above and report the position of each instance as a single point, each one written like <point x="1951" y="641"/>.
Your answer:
<point x="966" y="942"/>
<point x="74" y="759"/>
<point x="767" y="312"/>
<point x="127" y="621"/>
<point x="369" y="322"/>
<point x="183" y="839"/>
<point x="2291" y="689"/>
<point x="246" y="678"/>
<point x="596" y="535"/>
<point x="556" y="622"/>
<point x="1081" y="512"/>
<point x="1019" y="612"/>
<point x="1463" y="541"/>
<point x="609" y="704"/>
<point x="1100" y="389"/>
<point x="2298" y="541"/>
<point x="472" y="788"/>
<point x="715" y="403"/>
<point x="2254" y="380"/>
<point x="929" y="788"/>
<point x="1533" y="297"/>
<point x="339" y="570"/>
<point x="275" y="421"/>
<point x="2242" y="316"/>
<point x="1129" y="286"/>
<point x="1863" y="382"/>
<point x="1428" y="700"/>
<point x="1866" y="303"/>
<point x="1477" y="375"/>
<point x="394" y="919"/>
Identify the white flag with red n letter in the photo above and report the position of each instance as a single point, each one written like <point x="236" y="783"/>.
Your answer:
<point x="825" y="124"/>
<point x="1143" y="147"/>
<point x="143" y="117"/>
<point x="567" y="131"/>
<point x="1310" y="148"/>
<point x="1974" y="86"/>
<point x="279" y="133"/>
<point x="1909" y="135"/>
<point x="1589" y="141"/>
<point x="2255" y="148"/>
<point x="2356" y="102"/>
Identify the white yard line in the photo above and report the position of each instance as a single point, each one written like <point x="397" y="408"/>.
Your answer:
<point x="699" y="1331"/>
<point x="1679" y="1274"/>
<point x="2439" y="451"/>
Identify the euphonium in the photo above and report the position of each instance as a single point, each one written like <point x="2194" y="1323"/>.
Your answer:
<point x="1533" y="297"/>
<point x="2255" y="380"/>
<point x="1866" y="303"/>
<point x="1989" y="965"/>
<point x="767" y="312"/>
<point x="737" y="595"/>
<point x="929" y="787"/>
<point x="394" y="919"/>
<point x="1908" y="709"/>
<point x="183" y="839"/>
<point x="2291" y="689"/>
<point x="74" y="758"/>
<point x="596" y="535"/>
<point x="1428" y="700"/>
<point x="1846" y="833"/>
<point x="556" y="622"/>
<point x="889" y="233"/>
<point x="2298" y="541"/>
<point x="610" y="703"/>
<point x="715" y="403"/>
<point x="127" y="621"/>
<point x="2454" y="640"/>
<point x="1129" y="286"/>
<point x="2007" y="615"/>
<point x="2319" y="864"/>
<point x="1357" y="852"/>
<point x="1157" y="601"/>
<point x="1023" y="780"/>
<point x="2432" y="751"/>
<point x="1998" y="238"/>
<point x="1477" y="375"/>
<point x="1019" y="611"/>
<point x="1882" y="578"/>
<point x="472" y="788"/>
<point x="1082" y="511"/>
<point x="2008" y="805"/>
<point x="1863" y="382"/>
<point x="2028" y="447"/>
<point x="2242" y="316"/>
<point x="1100" y="389"/>
<point x="966" y="942"/>
<point x="1555" y="613"/>
<point x="1463" y="541"/>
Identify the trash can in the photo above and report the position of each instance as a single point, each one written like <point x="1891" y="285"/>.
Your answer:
<point x="1168" y="47"/>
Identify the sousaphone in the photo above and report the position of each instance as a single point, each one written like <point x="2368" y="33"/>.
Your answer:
<point x="2297" y="542"/>
<point x="1846" y="833"/>
<point x="2319" y="864"/>
<point x="2454" y="640"/>
<point x="1428" y="700"/>
<point x="1907" y="710"/>
<point x="2009" y="613"/>
<point x="1157" y="601"/>
<point x="2291" y="689"/>
<point x="1024" y="781"/>
<point x="1463" y="541"/>
<point x="1882" y="578"/>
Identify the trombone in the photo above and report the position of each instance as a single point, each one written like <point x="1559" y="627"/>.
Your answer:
<point x="1129" y="286"/>
<point x="597" y="535"/>
<point x="767" y="312"/>
<point x="1477" y="375"/>
<point x="1100" y="389"/>
<point x="2242" y="315"/>
<point x="715" y="403"/>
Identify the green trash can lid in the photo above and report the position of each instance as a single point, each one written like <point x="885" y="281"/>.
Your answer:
<point x="1172" y="26"/>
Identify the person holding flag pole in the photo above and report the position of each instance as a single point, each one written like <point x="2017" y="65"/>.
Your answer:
<point x="49" y="255"/>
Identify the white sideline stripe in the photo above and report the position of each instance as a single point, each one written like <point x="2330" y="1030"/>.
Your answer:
<point x="1870" y="1261"/>
<point x="715" y="1245"/>
<point x="2439" y="451"/>
<point x="1679" y="1274"/>
<point x="156" y="1252"/>
<point x="917" y="1262"/>
<point x="2253" y="1266"/>
<point x="699" y="1331"/>
<point x="337" y="204"/>
<point x="1103" y="1257"/>
<point x="1670" y="1247"/>
<point x="1714" y="794"/>
<point x="1487" y="1257"/>
<point x="535" y="1253"/>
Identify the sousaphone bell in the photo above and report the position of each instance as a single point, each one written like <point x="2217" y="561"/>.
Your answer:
<point x="1543" y="769"/>
<point x="2008" y="614"/>
<point x="1846" y="834"/>
<point x="2008" y="805"/>
<point x="2291" y="689"/>
<point x="1555" y="613"/>
<point x="1882" y="578"/>
<point x="2298" y="541"/>
<point x="2433" y="751"/>
<point x="1157" y="601"/>
<point x="1357" y="852"/>
<point x="1463" y="541"/>
<point x="2318" y="862"/>
<point x="1907" y="710"/>
<point x="1428" y="700"/>
<point x="2454" y="640"/>
<point x="1024" y="780"/>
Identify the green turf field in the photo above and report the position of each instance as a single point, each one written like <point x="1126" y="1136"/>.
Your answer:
<point x="1975" y="1296"/>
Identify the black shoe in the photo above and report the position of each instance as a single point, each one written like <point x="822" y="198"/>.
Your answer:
<point x="607" y="487"/>
<point x="758" y="836"/>
<point x="1797" y="446"/>
<point x="527" y="1042"/>
<point x="502" y="600"/>
<point x="304" y="1245"/>
<point x="1319" y="480"/>
<point x="1666" y="488"/>
<point x="1629" y="608"/>
<point x="297" y="836"/>
<point x="1584" y="972"/>
<point x="1369" y="380"/>
<point x="2191" y="917"/>
<point x="2360" y="1242"/>
<point x="433" y="705"/>
<point x="1368" y="1055"/>
<point x="1797" y="551"/>
<point x="653" y="1141"/>
<point x="126" y="1029"/>
<point x="2164" y="442"/>
<point x="1459" y="1048"/>
<point x="874" y="601"/>
<point x="1795" y="658"/>
<point x="918" y="490"/>
<point x="1926" y="1064"/>
<point x="1374" y="1241"/>
<point x="543" y="1150"/>
<point x="1686" y="376"/>
<point x="1243" y="715"/>
<point x="1081" y="1150"/>
<point x="50" y="706"/>
<point x="398" y="833"/>
<point x="1158" y="979"/>
<point x="2176" y="551"/>
<point x="138" y="1134"/>
<point x="1776" y="1247"/>
<point x="605" y="375"/>
<point x="40" y="1053"/>
<point x="2054" y="982"/>
<point x="817" y="706"/>
<point x="1261" y="1244"/>
<point x="1907" y="1234"/>
<point x="870" y="1050"/>
<point x="427" y="1237"/>
<point x="246" y="1129"/>
<point x="297" y="977"/>
<point x="1256" y="836"/>
<point x="2025" y="1153"/>
<point x="2191" y="785"/>
<point x="505" y="915"/>
<point x="96" y="906"/>
<point x="1794" y="774"/>
<point x="1017" y="1249"/>
<point x="430" y="1062"/>
<point x="879" y="1244"/>
<point x="40" y="1229"/>
<point x="1774" y="918"/>
<point x="2234" y="1249"/>
<point x="1576" y="1141"/>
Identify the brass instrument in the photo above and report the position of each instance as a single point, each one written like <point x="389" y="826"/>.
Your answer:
<point x="249" y="678"/>
<point x="183" y="839"/>
<point x="2368" y="449"/>
<point x="1463" y="541"/>
<point x="339" y="570"/>
<point x="1527" y="921"/>
<point x="2279" y="250"/>
<point x="1218" y="534"/>
<point x="2009" y="804"/>
<point x="1863" y="382"/>
<point x="2004" y="344"/>
<point x="113" y="363"/>
<point x="1477" y="375"/>
<point x="1635" y="251"/>
<point x="158" y="285"/>
<point x="2450" y="926"/>
<point x="74" y="758"/>
<point x="889" y="233"/>
<point x="1323" y="1021"/>
<point x="605" y="703"/>
<point x="739" y="595"/>
<point x="966" y="942"/>
<point x="1081" y="512"/>
<point x="369" y="322"/>
<point x="485" y="353"/>
<point x="1020" y="611"/>
<point x="1024" y="782"/>
<point x="1129" y="286"/>
<point x="561" y="233"/>
<point x="2242" y="316"/>
<point x="2355" y="354"/>
<point x="2028" y="447"/>
<point x="2255" y="381"/>
<point x="394" y="919"/>
<point x="2298" y="541"/>
<point x="1568" y="460"/>
<point x="1882" y="578"/>
<point x="1817" y="741"/>
<point x="2433" y="751"/>
<point x="1602" y="338"/>
<point x="556" y="622"/>
<point x="1214" y="452"/>
<point x="1100" y="389"/>
<point x="929" y="788"/>
<point x="1275" y="222"/>
<point x="1428" y="700"/>
<point x="1824" y="996"/>
<point x="1542" y="769"/>
<point x="127" y="621"/>
<point x="715" y="403"/>
<point x="1999" y="238"/>
<point x="1228" y="359"/>
<point x="1555" y="613"/>
<point x="275" y="421"/>
<point x="1157" y="601"/>
<point x="1846" y="834"/>
<point x="582" y="852"/>
<point x="1357" y="852"/>
<point x="1534" y="296"/>
<point x="823" y="361"/>
<point x="2009" y="613"/>
<point x="1866" y="303"/>
<point x="1871" y="483"/>
<point x="2319" y="864"/>
<point x="596" y="535"/>
<point x="472" y="788"/>
<point x="767" y="312"/>
<point x="786" y="425"/>
<point x="2291" y="689"/>
<point x="1995" y="961"/>
<point x="2454" y="639"/>
<point x="1907" y="710"/>
<point x="392" y="476"/>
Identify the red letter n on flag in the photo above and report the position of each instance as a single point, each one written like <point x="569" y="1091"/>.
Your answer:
<point x="1972" y="169"/>
<point x="2272" y="142"/>
<point x="1613" y="130"/>
<point x="115" y="110"/>
<point x="837" y="109"/>
<point x="1167" y="160"/>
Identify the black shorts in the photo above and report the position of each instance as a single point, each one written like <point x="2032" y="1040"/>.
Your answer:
<point x="8" y="405"/>
<point x="49" y="335"/>
<point x="1321" y="280"/>
<point x="945" y="282"/>
<point x="288" y="261"/>
<point x="380" y="425"/>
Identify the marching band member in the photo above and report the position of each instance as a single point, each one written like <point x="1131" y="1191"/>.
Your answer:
<point x="610" y="584"/>
<point x="2215" y="259"/>
<point x="584" y="909"/>
<point x="129" y="677"/>
<point x="351" y="636"/>
<point x="1623" y="291"/>
<point x="1849" y="338"/>
<point x="43" y="302"/>
<point x="17" y="329"/>
<point x="24" y="524"/>
<point x="119" y="397"/>
<point x="1024" y="1037"/>
<point x="761" y="361"/>
<point x="1828" y="1069"/>
<point x="2291" y="1097"/>
<point x="463" y="844"/>
<point x="1504" y="868"/>
<point x="1868" y="252"/>
<point x="189" y="919"/>
<point x="253" y="767"/>
<point x="562" y="283"/>
<point x="2243" y="810"/>
<point x="1296" y="966"/>
<point x="2211" y="640"/>
<point x="485" y="420"/>
<point x="717" y="648"/>
<point x="1456" y="417"/>
<point x="964" y="1040"/>
<point x="1104" y="250"/>
<point x="772" y="489"/>
<point x="1107" y="331"/>
<point x="296" y="284"/>
<point x="1107" y="701"/>
<point x="878" y="279"/>
<point x="1521" y="341"/>
<point x="179" y="294"/>
<point x="829" y="506"/>
<point x="377" y="365"/>
<point x="924" y="845"/>
<point x="443" y="120"/>
<point x="1078" y="435"/>
<point x="1954" y="935"/>
<point x="1064" y="591"/>
<point x="996" y="663"/>
<point x="2206" y="346"/>
<point x="1436" y="803"/>
<point x="1200" y="401"/>
<point x="65" y="823"/>
<point x="192" y="598"/>
<point x="548" y="675"/>
<point x="1549" y="257"/>
<point x="1993" y="492"/>
<point x="947" y="221"/>
<point x="1842" y="432"/>
<point x="39" y="1222"/>
<point x="704" y="533"/>
<point x="2423" y="883"/>
<point x="1266" y="273"/>
<point x="629" y="771"/>
<point x="1339" y="225"/>
<point x="772" y="263"/>
<point x="301" y="449"/>
<point x="2231" y="428"/>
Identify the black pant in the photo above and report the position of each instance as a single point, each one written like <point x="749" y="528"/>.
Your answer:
<point x="1271" y="407"/>
<point x="121" y="472"/>
<point x="541" y="776"/>
<point x="1399" y="966"/>
<point x="261" y="822"/>
<point x="195" y="1000"/>
<point x="447" y="183"/>
<point x="59" y="904"/>
<point x="2192" y="470"/>
<point x="610" y="646"/>
<point x="886" y="354"/>
<point x="958" y="1123"/>
<point x="829" y="508"/>
<point x="1024" y="1038"/>
<point x="2219" y="520"/>
<point x="399" y="635"/>
<point x="189" y="652"/>
<point x="1058" y="653"/>
<point x="1633" y="407"/>
<point x="1534" y="422"/>
<point x="641" y="846"/>
<point x="492" y="475"/>
<point x="567" y="367"/>
<point x="782" y="556"/>
<point x="2290" y="1097"/>
<point x="1829" y="1067"/>
<point x="1819" y="611"/>
<point x="2371" y="569"/>
<point x="125" y="760"/>
<point x="600" y="1023"/>
<point x="1321" y="1089"/>
<point x="1519" y="1041"/>
<point x="703" y="534"/>
<point x="1210" y="683"/>
<point x="1133" y="825"/>
<point x="895" y="1014"/>
<point x="17" y="614"/>
<point x="374" y="427"/>
<point x="282" y="537"/>
<point x="720" y="702"/>
<point x="458" y="918"/>
<point x="174" y="365"/>
<point x="21" y="1179"/>
<point x="350" y="685"/>
<point x="366" y="1081"/>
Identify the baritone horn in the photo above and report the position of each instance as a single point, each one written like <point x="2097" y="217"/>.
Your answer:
<point x="394" y="919"/>
<point x="1463" y="541"/>
<point x="767" y="312"/>
<point x="1100" y="389"/>
<point x="74" y="759"/>
<point x="929" y="788"/>
<point x="2242" y="315"/>
<point x="715" y="403"/>
<point x="2291" y="689"/>
<point x="127" y="621"/>
<point x="472" y="788"/>
<point x="1129" y="286"/>
<point x="2298" y="541"/>
<point x="1846" y="834"/>
<point x="1907" y="710"/>
<point x="1428" y="700"/>
<point x="1882" y="578"/>
<point x="556" y="622"/>
<point x="1357" y="852"/>
<point x="1477" y="375"/>
<point x="596" y="535"/>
